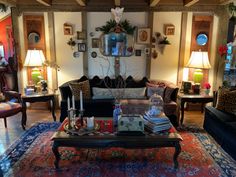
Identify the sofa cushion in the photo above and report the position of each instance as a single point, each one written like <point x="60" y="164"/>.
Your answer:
<point x="101" y="93"/>
<point x="226" y="100"/>
<point x="168" y="93"/>
<point x="152" y="89"/>
<point x="77" y="86"/>
<point x="170" y="108"/>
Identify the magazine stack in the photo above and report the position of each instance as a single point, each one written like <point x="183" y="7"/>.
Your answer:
<point x="156" y="124"/>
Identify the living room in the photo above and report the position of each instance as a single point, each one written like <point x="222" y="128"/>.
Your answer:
<point x="68" y="35"/>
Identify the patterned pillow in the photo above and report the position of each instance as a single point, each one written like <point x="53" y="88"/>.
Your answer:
<point x="168" y="93"/>
<point x="77" y="86"/>
<point x="226" y="100"/>
<point x="158" y="90"/>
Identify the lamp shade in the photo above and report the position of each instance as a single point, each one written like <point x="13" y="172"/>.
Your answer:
<point x="199" y="60"/>
<point x="34" y="58"/>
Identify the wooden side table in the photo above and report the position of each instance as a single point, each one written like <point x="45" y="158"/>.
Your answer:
<point x="182" y="98"/>
<point x="40" y="97"/>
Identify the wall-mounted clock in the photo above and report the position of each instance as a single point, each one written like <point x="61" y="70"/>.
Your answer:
<point x="202" y="39"/>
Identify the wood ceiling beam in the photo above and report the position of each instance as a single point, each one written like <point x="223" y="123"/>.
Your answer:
<point x="45" y="2"/>
<point x="188" y="3"/>
<point x="81" y="2"/>
<point x="8" y="2"/>
<point x="225" y="2"/>
<point x="117" y="2"/>
<point x="154" y="2"/>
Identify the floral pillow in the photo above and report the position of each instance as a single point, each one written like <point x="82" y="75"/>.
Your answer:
<point x="168" y="93"/>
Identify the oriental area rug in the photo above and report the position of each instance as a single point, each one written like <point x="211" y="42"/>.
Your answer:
<point x="31" y="155"/>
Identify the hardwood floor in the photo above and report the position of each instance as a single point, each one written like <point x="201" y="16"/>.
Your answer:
<point x="14" y="130"/>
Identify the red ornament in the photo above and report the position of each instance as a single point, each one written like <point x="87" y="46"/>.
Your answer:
<point x="222" y="50"/>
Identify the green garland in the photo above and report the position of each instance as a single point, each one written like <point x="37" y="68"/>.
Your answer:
<point x="111" y="26"/>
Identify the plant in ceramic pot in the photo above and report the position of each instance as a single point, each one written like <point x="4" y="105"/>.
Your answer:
<point x="207" y="87"/>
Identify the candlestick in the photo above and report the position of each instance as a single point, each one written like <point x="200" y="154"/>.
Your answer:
<point x="73" y="102"/>
<point x="81" y="100"/>
<point x="68" y="103"/>
<point x="81" y="114"/>
<point x="90" y="122"/>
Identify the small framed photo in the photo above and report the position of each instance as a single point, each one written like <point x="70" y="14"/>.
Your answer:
<point x="143" y="35"/>
<point x="169" y="29"/>
<point x="147" y="51"/>
<point x="81" y="35"/>
<point x="138" y="52"/>
<point x="68" y="29"/>
<point x="81" y="47"/>
<point x="95" y="43"/>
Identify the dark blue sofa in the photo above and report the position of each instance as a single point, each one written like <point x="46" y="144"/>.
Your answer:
<point x="222" y="127"/>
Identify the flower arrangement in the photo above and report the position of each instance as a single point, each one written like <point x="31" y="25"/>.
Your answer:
<point x="207" y="85"/>
<point x="222" y="50"/>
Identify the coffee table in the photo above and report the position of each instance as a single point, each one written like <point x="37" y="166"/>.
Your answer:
<point x="109" y="138"/>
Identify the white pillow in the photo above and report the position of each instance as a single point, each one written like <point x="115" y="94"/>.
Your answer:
<point x="104" y="93"/>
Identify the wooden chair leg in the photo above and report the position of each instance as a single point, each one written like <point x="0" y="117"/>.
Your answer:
<point x="5" y="122"/>
<point x="23" y="119"/>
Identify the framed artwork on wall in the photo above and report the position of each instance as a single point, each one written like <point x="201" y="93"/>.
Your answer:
<point x="81" y="47"/>
<point x="68" y="30"/>
<point x="95" y="43"/>
<point x="138" y="52"/>
<point x="169" y="29"/>
<point x="143" y="35"/>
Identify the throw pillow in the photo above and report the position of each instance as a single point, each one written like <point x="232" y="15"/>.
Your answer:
<point x="167" y="94"/>
<point x="158" y="90"/>
<point x="77" y="86"/>
<point x="226" y="100"/>
<point x="106" y="93"/>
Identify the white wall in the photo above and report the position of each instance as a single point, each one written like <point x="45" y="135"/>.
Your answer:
<point x="70" y="67"/>
<point x="102" y="66"/>
<point x="166" y="65"/>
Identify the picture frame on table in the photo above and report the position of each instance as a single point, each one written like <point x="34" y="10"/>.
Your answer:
<point x="81" y="47"/>
<point x="143" y="35"/>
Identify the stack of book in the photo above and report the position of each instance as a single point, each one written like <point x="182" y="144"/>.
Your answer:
<point x="156" y="124"/>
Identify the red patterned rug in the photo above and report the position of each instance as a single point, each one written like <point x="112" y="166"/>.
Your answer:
<point x="32" y="156"/>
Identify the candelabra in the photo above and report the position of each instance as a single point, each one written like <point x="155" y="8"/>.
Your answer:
<point x="71" y="118"/>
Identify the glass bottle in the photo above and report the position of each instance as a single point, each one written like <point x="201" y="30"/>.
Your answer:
<point x="116" y="113"/>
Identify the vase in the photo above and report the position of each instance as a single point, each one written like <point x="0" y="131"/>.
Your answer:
<point x="116" y="113"/>
<point x="207" y="91"/>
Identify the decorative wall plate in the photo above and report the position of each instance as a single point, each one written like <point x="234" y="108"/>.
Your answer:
<point x="33" y="38"/>
<point x="202" y="39"/>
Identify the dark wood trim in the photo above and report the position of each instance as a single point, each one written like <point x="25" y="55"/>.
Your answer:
<point x="153" y="3"/>
<point x="189" y="3"/>
<point x="85" y="54"/>
<point x="45" y="2"/>
<point x="138" y="8"/>
<point x="149" y="57"/>
<point x="81" y="2"/>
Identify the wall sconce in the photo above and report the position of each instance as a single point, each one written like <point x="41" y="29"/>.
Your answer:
<point x="35" y="58"/>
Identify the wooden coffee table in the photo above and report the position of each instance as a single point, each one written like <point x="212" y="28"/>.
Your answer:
<point x="107" y="139"/>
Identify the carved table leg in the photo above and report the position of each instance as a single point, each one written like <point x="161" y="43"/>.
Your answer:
<point x="56" y="154"/>
<point x="176" y="154"/>
<point x="182" y="111"/>
<point x="53" y="109"/>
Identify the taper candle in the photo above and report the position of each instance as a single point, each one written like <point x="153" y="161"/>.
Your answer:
<point x="68" y="103"/>
<point x="73" y="102"/>
<point x="81" y="100"/>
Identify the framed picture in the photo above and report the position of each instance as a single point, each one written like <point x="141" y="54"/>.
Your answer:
<point x="68" y="30"/>
<point x="81" y="35"/>
<point x="143" y="36"/>
<point x="95" y="43"/>
<point x="81" y="47"/>
<point x="138" y="52"/>
<point x="169" y="29"/>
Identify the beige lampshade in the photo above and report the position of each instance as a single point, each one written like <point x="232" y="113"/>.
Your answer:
<point x="34" y="58"/>
<point x="199" y="60"/>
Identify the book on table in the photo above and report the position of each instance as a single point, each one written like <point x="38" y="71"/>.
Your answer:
<point x="155" y="123"/>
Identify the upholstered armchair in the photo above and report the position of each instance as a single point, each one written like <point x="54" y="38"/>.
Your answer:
<point x="12" y="105"/>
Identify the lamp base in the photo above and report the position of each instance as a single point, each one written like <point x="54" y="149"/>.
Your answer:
<point x="35" y="74"/>
<point x="197" y="76"/>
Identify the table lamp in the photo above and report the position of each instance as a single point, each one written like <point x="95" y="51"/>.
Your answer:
<point x="198" y="60"/>
<point x="34" y="58"/>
